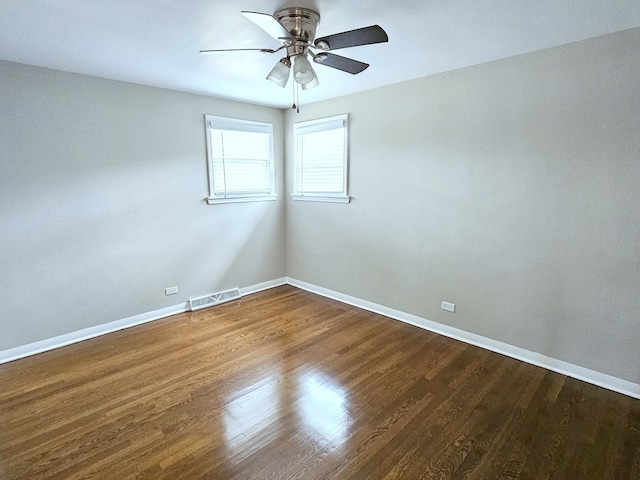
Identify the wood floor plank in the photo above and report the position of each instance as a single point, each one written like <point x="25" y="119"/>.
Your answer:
<point x="284" y="384"/>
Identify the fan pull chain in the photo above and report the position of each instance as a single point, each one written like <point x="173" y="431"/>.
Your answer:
<point x="295" y="97"/>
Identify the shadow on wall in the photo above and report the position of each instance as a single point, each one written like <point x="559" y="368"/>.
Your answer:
<point x="224" y="256"/>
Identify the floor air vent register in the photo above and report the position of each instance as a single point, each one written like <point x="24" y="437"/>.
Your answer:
<point x="199" y="303"/>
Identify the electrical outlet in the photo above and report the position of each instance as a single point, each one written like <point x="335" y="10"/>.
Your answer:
<point x="449" y="307"/>
<point x="171" y="290"/>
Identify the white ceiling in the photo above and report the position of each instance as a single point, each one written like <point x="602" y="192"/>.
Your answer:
<point x="156" y="42"/>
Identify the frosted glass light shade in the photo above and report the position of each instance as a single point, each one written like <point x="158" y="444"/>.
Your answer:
<point x="312" y="84"/>
<point x="280" y="73"/>
<point x="302" y="71"/>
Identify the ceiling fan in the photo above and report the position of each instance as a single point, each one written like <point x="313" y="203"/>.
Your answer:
<point x="295" y="28"/>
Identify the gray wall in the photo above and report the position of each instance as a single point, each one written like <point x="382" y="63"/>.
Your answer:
<point x="510" y="188"/>
<point x="102" y="188"/>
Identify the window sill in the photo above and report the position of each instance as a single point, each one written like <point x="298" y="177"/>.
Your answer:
<point x="262" y="198"/>
<point x="319" y="198"/>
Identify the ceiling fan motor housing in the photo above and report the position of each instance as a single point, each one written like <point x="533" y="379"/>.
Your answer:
<point x="300" y="22"/>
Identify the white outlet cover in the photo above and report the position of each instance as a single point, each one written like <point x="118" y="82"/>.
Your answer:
<point x="171" y="290"/>
<point x="449" y="307"/>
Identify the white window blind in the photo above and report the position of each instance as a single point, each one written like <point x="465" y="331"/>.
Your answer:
<point x="320" y="152"/>
<point x="240" y="158"/>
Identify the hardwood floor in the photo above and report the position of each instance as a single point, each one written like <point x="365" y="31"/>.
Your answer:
<point x="286" y="384"/>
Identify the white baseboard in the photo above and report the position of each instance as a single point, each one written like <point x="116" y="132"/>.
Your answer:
<point x="575" y="371"/>
<point x="263" y="286"/>
<point x="92" y="332"/>
<point x="87" y="333"/>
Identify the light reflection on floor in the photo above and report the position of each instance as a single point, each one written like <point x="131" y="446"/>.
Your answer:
<point x="250" y="408"/>
<point x="315" y="404"/>
<point x="323" y="410"/>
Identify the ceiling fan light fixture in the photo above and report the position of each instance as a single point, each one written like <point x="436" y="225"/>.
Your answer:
<point x="280" y="72"/>
<point x="302" y="71"/>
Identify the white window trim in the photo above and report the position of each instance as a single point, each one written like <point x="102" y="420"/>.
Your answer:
<point x="321" y="198"/>
<point x="239" y="199"/>
<point x="214" y="121"/>
<point x="319" y="125"/>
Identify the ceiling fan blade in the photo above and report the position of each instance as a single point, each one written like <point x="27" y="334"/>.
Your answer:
<point x="353" y="38"/>
<point x="341" y="63"/>
<point x="268" y="23"/>
<point x="263" y="50"/>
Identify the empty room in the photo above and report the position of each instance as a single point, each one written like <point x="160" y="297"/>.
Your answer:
<point x="320" y="240"/>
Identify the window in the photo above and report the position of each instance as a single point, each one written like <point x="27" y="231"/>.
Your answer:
<point x="240" y="155"/>
<point x="320" y="160"/>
